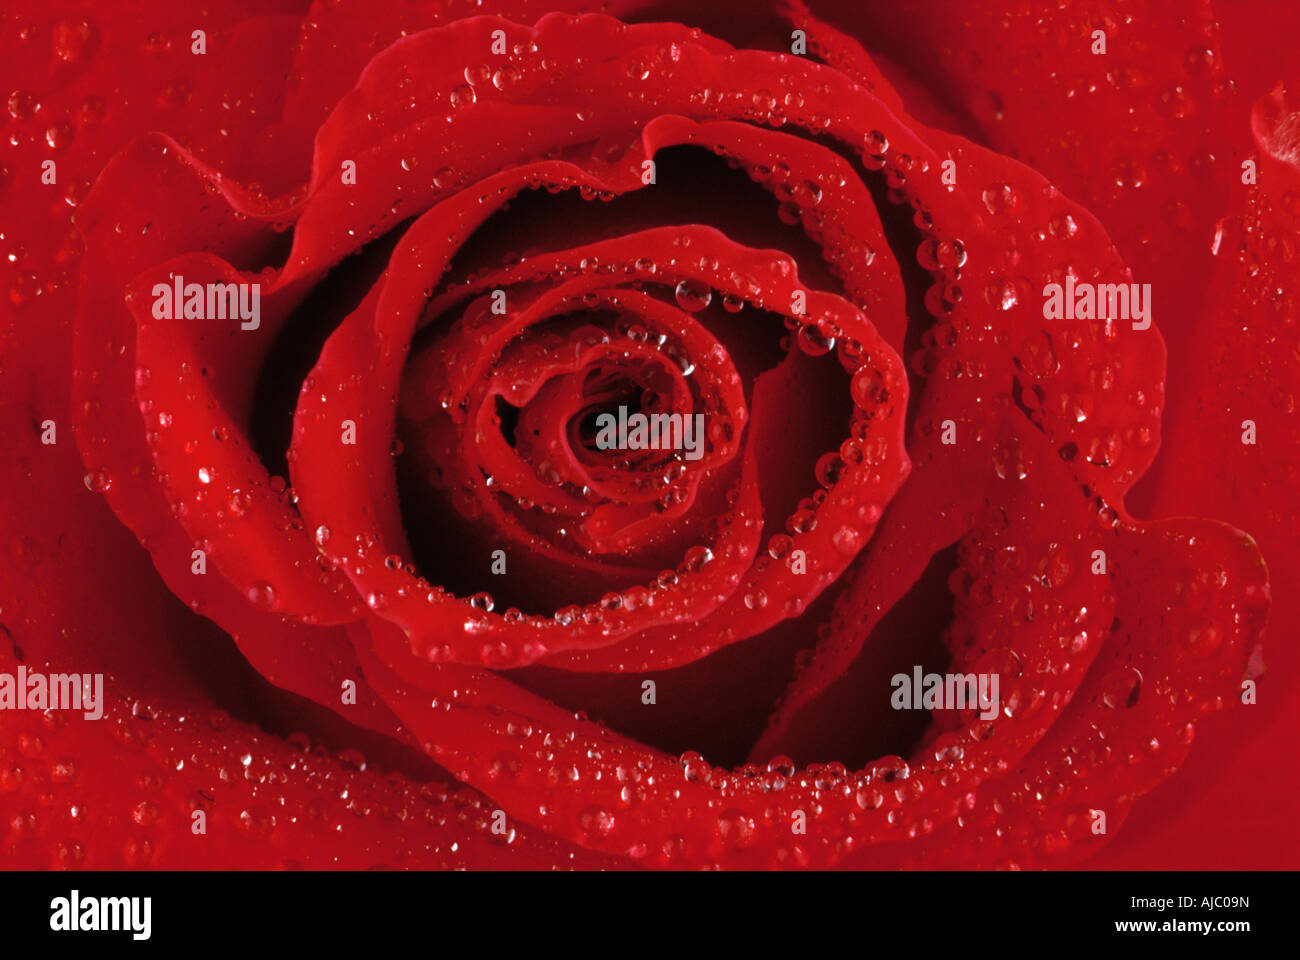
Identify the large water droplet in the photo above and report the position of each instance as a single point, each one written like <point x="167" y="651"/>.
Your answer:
<point x="693" y="295"/>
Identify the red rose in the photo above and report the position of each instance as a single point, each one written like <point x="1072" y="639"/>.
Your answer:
<point x="534" y="398"/>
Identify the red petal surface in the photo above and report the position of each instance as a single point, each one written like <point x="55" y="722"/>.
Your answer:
<point x="1025" y="437"/>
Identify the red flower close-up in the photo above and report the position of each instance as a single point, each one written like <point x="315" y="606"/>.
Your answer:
<point x="520" y="435"/>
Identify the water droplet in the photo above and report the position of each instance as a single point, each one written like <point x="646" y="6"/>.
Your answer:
<point x="58" y="136"/>
<point x="98" y="481"/>
<point x="779" y="546"/>
<point x="22" y="104"/>
<point x="92" y="110"/>
<point x="73" y="39"/>
<point x="256" y="822"/>
<point x="869" y="798"/>
<point x="1122" y="688"/>
<point x="1174" y="102"/>
<point x="1199" y="60"/>
<point x="505" y="78"/>
<point x="240" y="502"/>
<point x="829" y="469"/>
<point x="736" y="827"/>
<point x="813" y="342"/>
<point x="1062" y="226"/>
<point x="890" y="770"/>
<point x="596" y="822"/>
<point x="868" y="388"/>
<point x="695" y="559"/>
<point x="144" y="814"/>
<point x="802" y="521"/>
<point x="846" y="540"/>
<point x="1008" y="462"/>
<point x="999" y="198"/>
<point x="693" y="296"/>
<point x="1127" y="172"/>
<point x="694" y="767"/>
<point x="874" y="147"/>
<point x="262" y="595"/>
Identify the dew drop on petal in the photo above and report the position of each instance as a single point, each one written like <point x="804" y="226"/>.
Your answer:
<point x="693" y="296"/>
<point x="846" y="540"/>
<point x="73" y="39"/>
<point x="1122" y="688"/>
<point x="262" y="595"/>
<point x="812" y="342"/>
